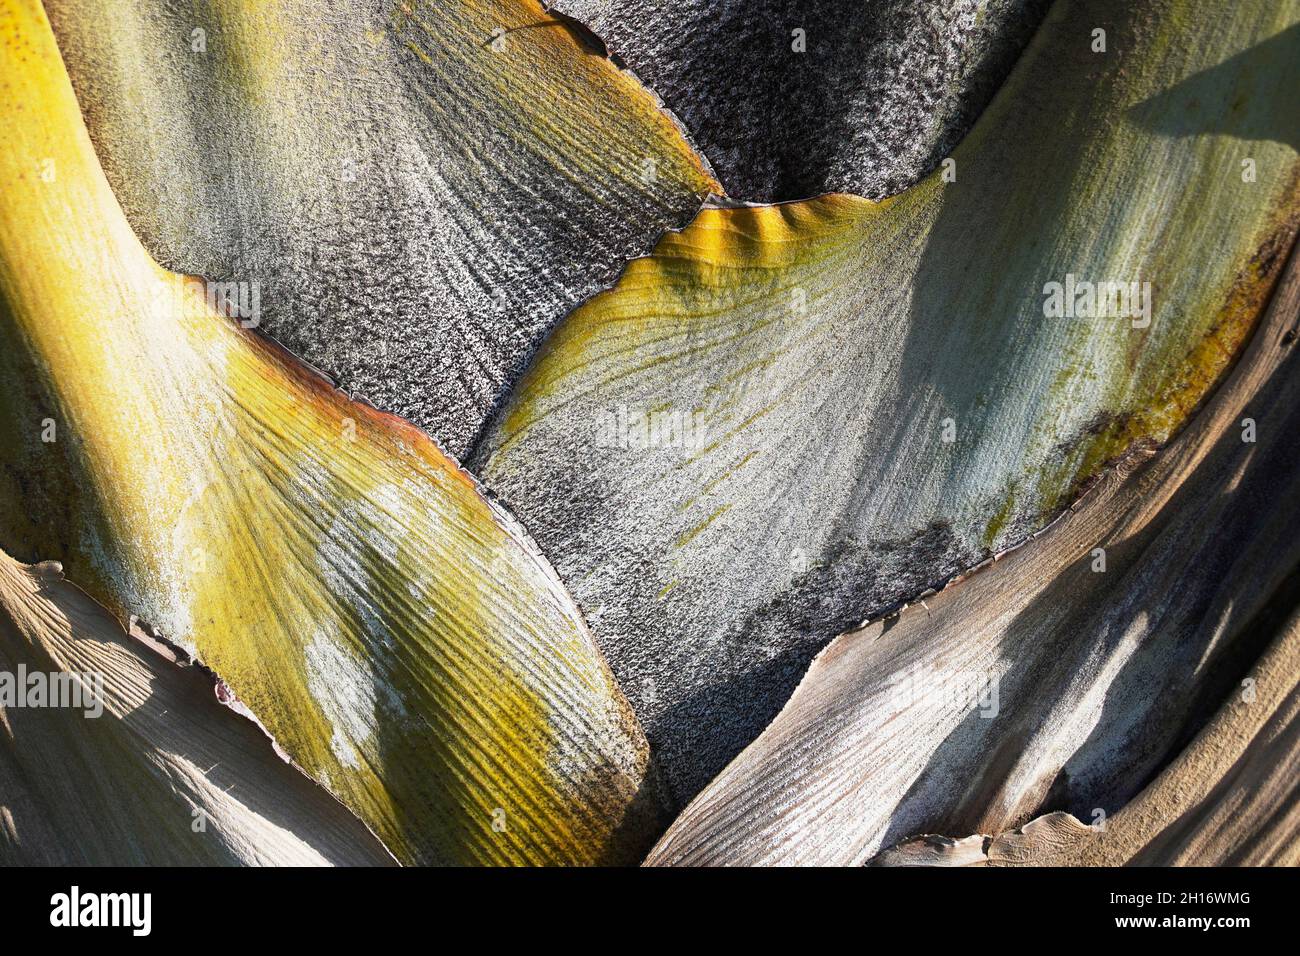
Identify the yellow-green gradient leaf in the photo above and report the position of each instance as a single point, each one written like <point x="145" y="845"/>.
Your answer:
<point x="396" y="632"/>
<point x="791" y="418"/>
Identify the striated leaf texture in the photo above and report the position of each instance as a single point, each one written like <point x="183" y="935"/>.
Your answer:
<point x="1229" y="799"/>
<point x="1046" y="681"/>
<point x="789" y="419"/>
<point x="420" y="188"/>
<point x="397" y="633"/>
<point x="150" y="769"/>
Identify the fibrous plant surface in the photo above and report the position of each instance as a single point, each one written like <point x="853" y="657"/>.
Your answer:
<point x="447" y="466"/>
<point x="397" y="633"/>
<point x="1066" y="674"/>
<point x="791" y="418"/>
<point x="792" y="100"/>
<point x="1229" y="799"/>
<point x="419" y="188"/>
<point x="163" y="774"/>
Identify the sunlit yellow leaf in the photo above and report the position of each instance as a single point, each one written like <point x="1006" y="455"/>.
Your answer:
<point x="397" y="633"/>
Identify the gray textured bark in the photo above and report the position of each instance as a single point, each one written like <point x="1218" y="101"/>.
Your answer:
<point x="879" y="93"/>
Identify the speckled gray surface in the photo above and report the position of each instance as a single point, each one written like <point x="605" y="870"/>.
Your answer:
<point x="882" y="89"/>
<point x="417" y="199"/>
<point x="821" y="349"/>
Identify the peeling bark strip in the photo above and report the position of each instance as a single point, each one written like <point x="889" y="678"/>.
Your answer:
<point x="1230" y="799"/>
<point x="1102" y="675"/>
<point x="791" y="100"/>
<point x="164" y="775"/>
<point x="419" y="189"/>
<point x="882" y="397"/>
<point x="398" y="634"/>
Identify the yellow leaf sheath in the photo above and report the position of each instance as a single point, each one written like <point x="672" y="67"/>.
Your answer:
<point x="397" y="633"/>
